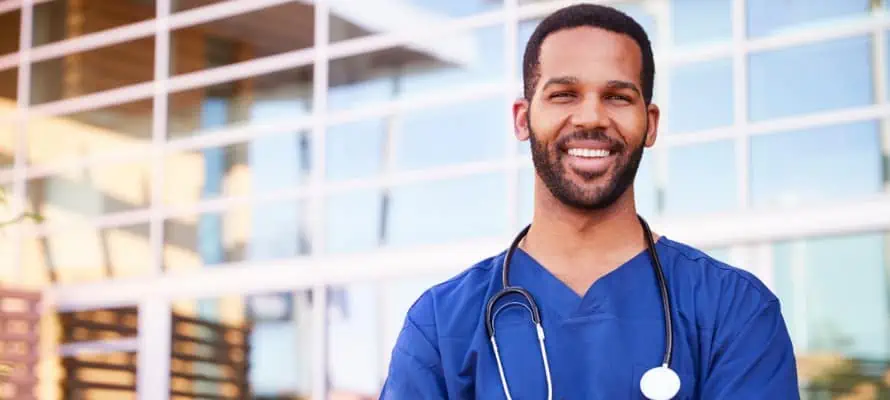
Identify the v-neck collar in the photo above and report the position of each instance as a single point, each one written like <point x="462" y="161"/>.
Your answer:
<point x="552" y="293"/>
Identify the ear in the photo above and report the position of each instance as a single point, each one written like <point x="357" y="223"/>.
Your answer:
<point x="652" y="113"/>
<point x="520" y="119"/>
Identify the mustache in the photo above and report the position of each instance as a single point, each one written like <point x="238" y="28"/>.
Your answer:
<point x="596" y="135"/>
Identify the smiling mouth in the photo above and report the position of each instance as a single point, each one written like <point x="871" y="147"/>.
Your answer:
<point x="589" y="153"/>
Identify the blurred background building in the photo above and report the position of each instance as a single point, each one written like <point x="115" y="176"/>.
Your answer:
<point x="302" y="170"/>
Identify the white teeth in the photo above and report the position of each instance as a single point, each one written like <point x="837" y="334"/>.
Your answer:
<point x="593" y="153"/>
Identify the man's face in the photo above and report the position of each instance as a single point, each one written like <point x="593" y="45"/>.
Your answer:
<point x="587" y="121"/>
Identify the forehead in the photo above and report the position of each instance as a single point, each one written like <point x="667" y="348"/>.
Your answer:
<point x="590" y="53"/>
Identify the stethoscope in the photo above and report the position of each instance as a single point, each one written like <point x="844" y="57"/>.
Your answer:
<point x="658" y="383"/>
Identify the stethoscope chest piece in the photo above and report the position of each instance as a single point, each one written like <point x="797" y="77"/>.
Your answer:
<point x="660" y="383"/>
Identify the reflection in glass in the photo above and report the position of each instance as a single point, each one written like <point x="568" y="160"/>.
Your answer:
<point x="351" y="19"/>
<point x="260" y="99"/>
<point x="363" y="327"/>
<point x="255" y="346"/>
<point x="697" y="22"/>
<point x="184" y="5"/>
<point x="766" y="17"/>
<point x="9" y="80"/>
<point x="254" y="232"/>
<point x="265" y="164"/>
<point x="470" y="131"/>
<point x="355" y="150"/>
<point x="354" y="220"/>
<point x="526" y="196"/>
<point x="701" y="179"/>
<point x="701" y="96"/>
<point x="80" y="194"/>
<point x="256" y="34"/>
<point x="829" y="163"/>
<point x="646" y="191"/>
<point x="834" y="298"/>
<point x="95" y="70"/>
<point x="58" y="20"/>
<point x="8" y="141"/>
<point x="432" y="64"/>
<point x="10" y="26"/>
<point x="465" y="208"/>
<point x="811" y="78"/>
<point x="82" y="253"/>
<point x="87" y="133"/>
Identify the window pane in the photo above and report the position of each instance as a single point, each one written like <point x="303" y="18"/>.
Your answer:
<point x="702" y="179"/>
<point x="65" y="19"/>
<point x="242" y="37"/>
<point x="252" y="232"/>
<point x="80" y="194"/>
<point x="8" y="140"/>
<point x="259" y="345"/>
<point x="260" y="99"/>
<point x="422" y="213"/>
<point x="768" y="17"/>
<point x="364" y="324"/>
<point x="442" y="63"/>
<point x="701" y="96"/>
<point x="834" y="298"/>
<point x="526" y="195"/>
<point x="465" y="208"/>
<point x="354" y="221"/>
<point x="95" y="70"/>
<point x="265" y="164"/>
<point x="352" y="19"/>
<point x="183" y="5"/>
<point x="99" y="131"/>
<point x="355" y="150"/>
<point x="811" y="78"/>
<point x="698" y="22"/>
<point x="82" y="253"/>
<point x="457" y="133"/>
<point x="645" y="188"/>
<point x="10" y="26"/>
<point x="831" y="163"/>
<point x="9" y="80"/>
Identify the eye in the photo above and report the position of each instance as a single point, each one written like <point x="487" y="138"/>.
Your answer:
<point x="619" y="97"/>
<point x="556" y="95"/>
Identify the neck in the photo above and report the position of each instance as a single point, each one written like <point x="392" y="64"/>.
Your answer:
<point x="579" y="246"/>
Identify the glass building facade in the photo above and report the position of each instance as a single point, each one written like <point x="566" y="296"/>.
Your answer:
<point x="308" y="168"/>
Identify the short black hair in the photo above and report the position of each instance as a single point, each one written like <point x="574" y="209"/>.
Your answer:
<point x="593" y="15"/>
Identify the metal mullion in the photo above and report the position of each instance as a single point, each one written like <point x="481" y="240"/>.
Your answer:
<point x="23" y="99"/>
<point x="511" y="33"/>
<point x="319" y="326"/>
<point x="740" y="102"/>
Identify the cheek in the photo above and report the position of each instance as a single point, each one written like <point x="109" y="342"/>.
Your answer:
<point x="546" y="125"/>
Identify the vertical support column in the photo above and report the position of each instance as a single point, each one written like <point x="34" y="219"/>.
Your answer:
<point x="155" y="326"/>
<point x="316" y="199"/>
<point x="20" y="122"/>
<point x="153" y="373"/>
<point x="879" y="71"/>
<point x="662" y="48"/>
<point x="740" y="101"/>
<point x="511" y="27"/>
<point x="158" y="133"/>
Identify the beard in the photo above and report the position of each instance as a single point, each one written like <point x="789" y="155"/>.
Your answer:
<point x="548" y="162"/>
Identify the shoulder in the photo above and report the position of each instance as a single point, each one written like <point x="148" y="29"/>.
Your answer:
<point x="721" y="293"/>
<point x="446" y="308"/>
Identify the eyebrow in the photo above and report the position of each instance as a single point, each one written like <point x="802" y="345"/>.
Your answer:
<point x="571" y="80"/>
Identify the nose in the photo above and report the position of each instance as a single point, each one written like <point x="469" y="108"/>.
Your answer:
<point x="590" y="114"/>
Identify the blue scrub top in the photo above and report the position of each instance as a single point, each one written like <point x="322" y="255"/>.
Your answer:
<point x="730" y="340"/>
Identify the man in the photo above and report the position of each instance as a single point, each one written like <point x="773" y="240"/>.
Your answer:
<point x="587" y="111"/>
